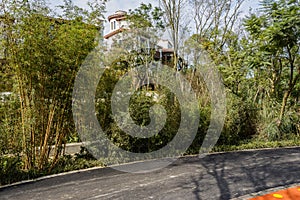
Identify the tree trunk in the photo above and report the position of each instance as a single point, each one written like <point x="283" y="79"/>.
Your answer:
<point x="285" y="98"/>
<point x="283" y="106"/>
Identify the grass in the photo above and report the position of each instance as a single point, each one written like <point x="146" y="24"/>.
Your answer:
<point x="258" y="144"/>
<point x="11" y="167"/>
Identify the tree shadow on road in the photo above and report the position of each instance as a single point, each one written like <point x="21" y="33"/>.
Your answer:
<point x="231" y="175"/>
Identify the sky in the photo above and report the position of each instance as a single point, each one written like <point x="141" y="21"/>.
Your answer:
<point x="114" y="5"/>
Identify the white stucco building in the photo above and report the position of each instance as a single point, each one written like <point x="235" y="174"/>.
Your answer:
<point x="122" y="35"/>
<point x="118" y="24"/>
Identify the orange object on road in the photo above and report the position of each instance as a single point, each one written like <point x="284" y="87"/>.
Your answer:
<point x="288" y="194"/>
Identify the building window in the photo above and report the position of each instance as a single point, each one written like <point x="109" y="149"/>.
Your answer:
<point x="111" y="26"/>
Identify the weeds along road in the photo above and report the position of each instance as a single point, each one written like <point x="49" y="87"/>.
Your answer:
<point x="216" y="176"/>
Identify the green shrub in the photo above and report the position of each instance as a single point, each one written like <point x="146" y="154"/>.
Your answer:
<point x="240" y="123"/>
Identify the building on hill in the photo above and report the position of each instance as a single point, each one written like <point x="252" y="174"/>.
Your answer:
<point x="118" y="24"/>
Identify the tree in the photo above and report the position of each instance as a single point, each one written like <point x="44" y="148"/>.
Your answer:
<point x="218" y="34"/>
<point x="44" y="54"/>
<point x="174" y="18"/>
<point x="215" y="19"/>
<point x="276" y="38"/>
<point x="145" y="16"/>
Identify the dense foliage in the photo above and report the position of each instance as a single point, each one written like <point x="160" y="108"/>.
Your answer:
<point x="43" y="52"/>
<point x="258" y="58"/>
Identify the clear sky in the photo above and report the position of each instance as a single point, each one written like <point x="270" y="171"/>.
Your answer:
<point x="114" y="5"/>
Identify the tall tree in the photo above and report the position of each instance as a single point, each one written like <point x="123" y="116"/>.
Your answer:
<point x="174" y="12"/>
<point x="218" y="34"/>
<point x="215" y="19"/>
<point x="276" y="37"/>
<point x="44" y="54"/>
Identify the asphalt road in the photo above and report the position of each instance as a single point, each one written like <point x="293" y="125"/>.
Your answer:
<point x="216" y="176"/>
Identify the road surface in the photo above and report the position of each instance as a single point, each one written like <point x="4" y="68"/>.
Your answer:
<point x="216" y="176"/>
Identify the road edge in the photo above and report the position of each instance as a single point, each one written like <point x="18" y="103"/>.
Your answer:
<point x="106" y="167"/>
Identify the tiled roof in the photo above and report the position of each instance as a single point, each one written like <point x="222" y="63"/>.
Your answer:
<point x="117" y="15"/>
